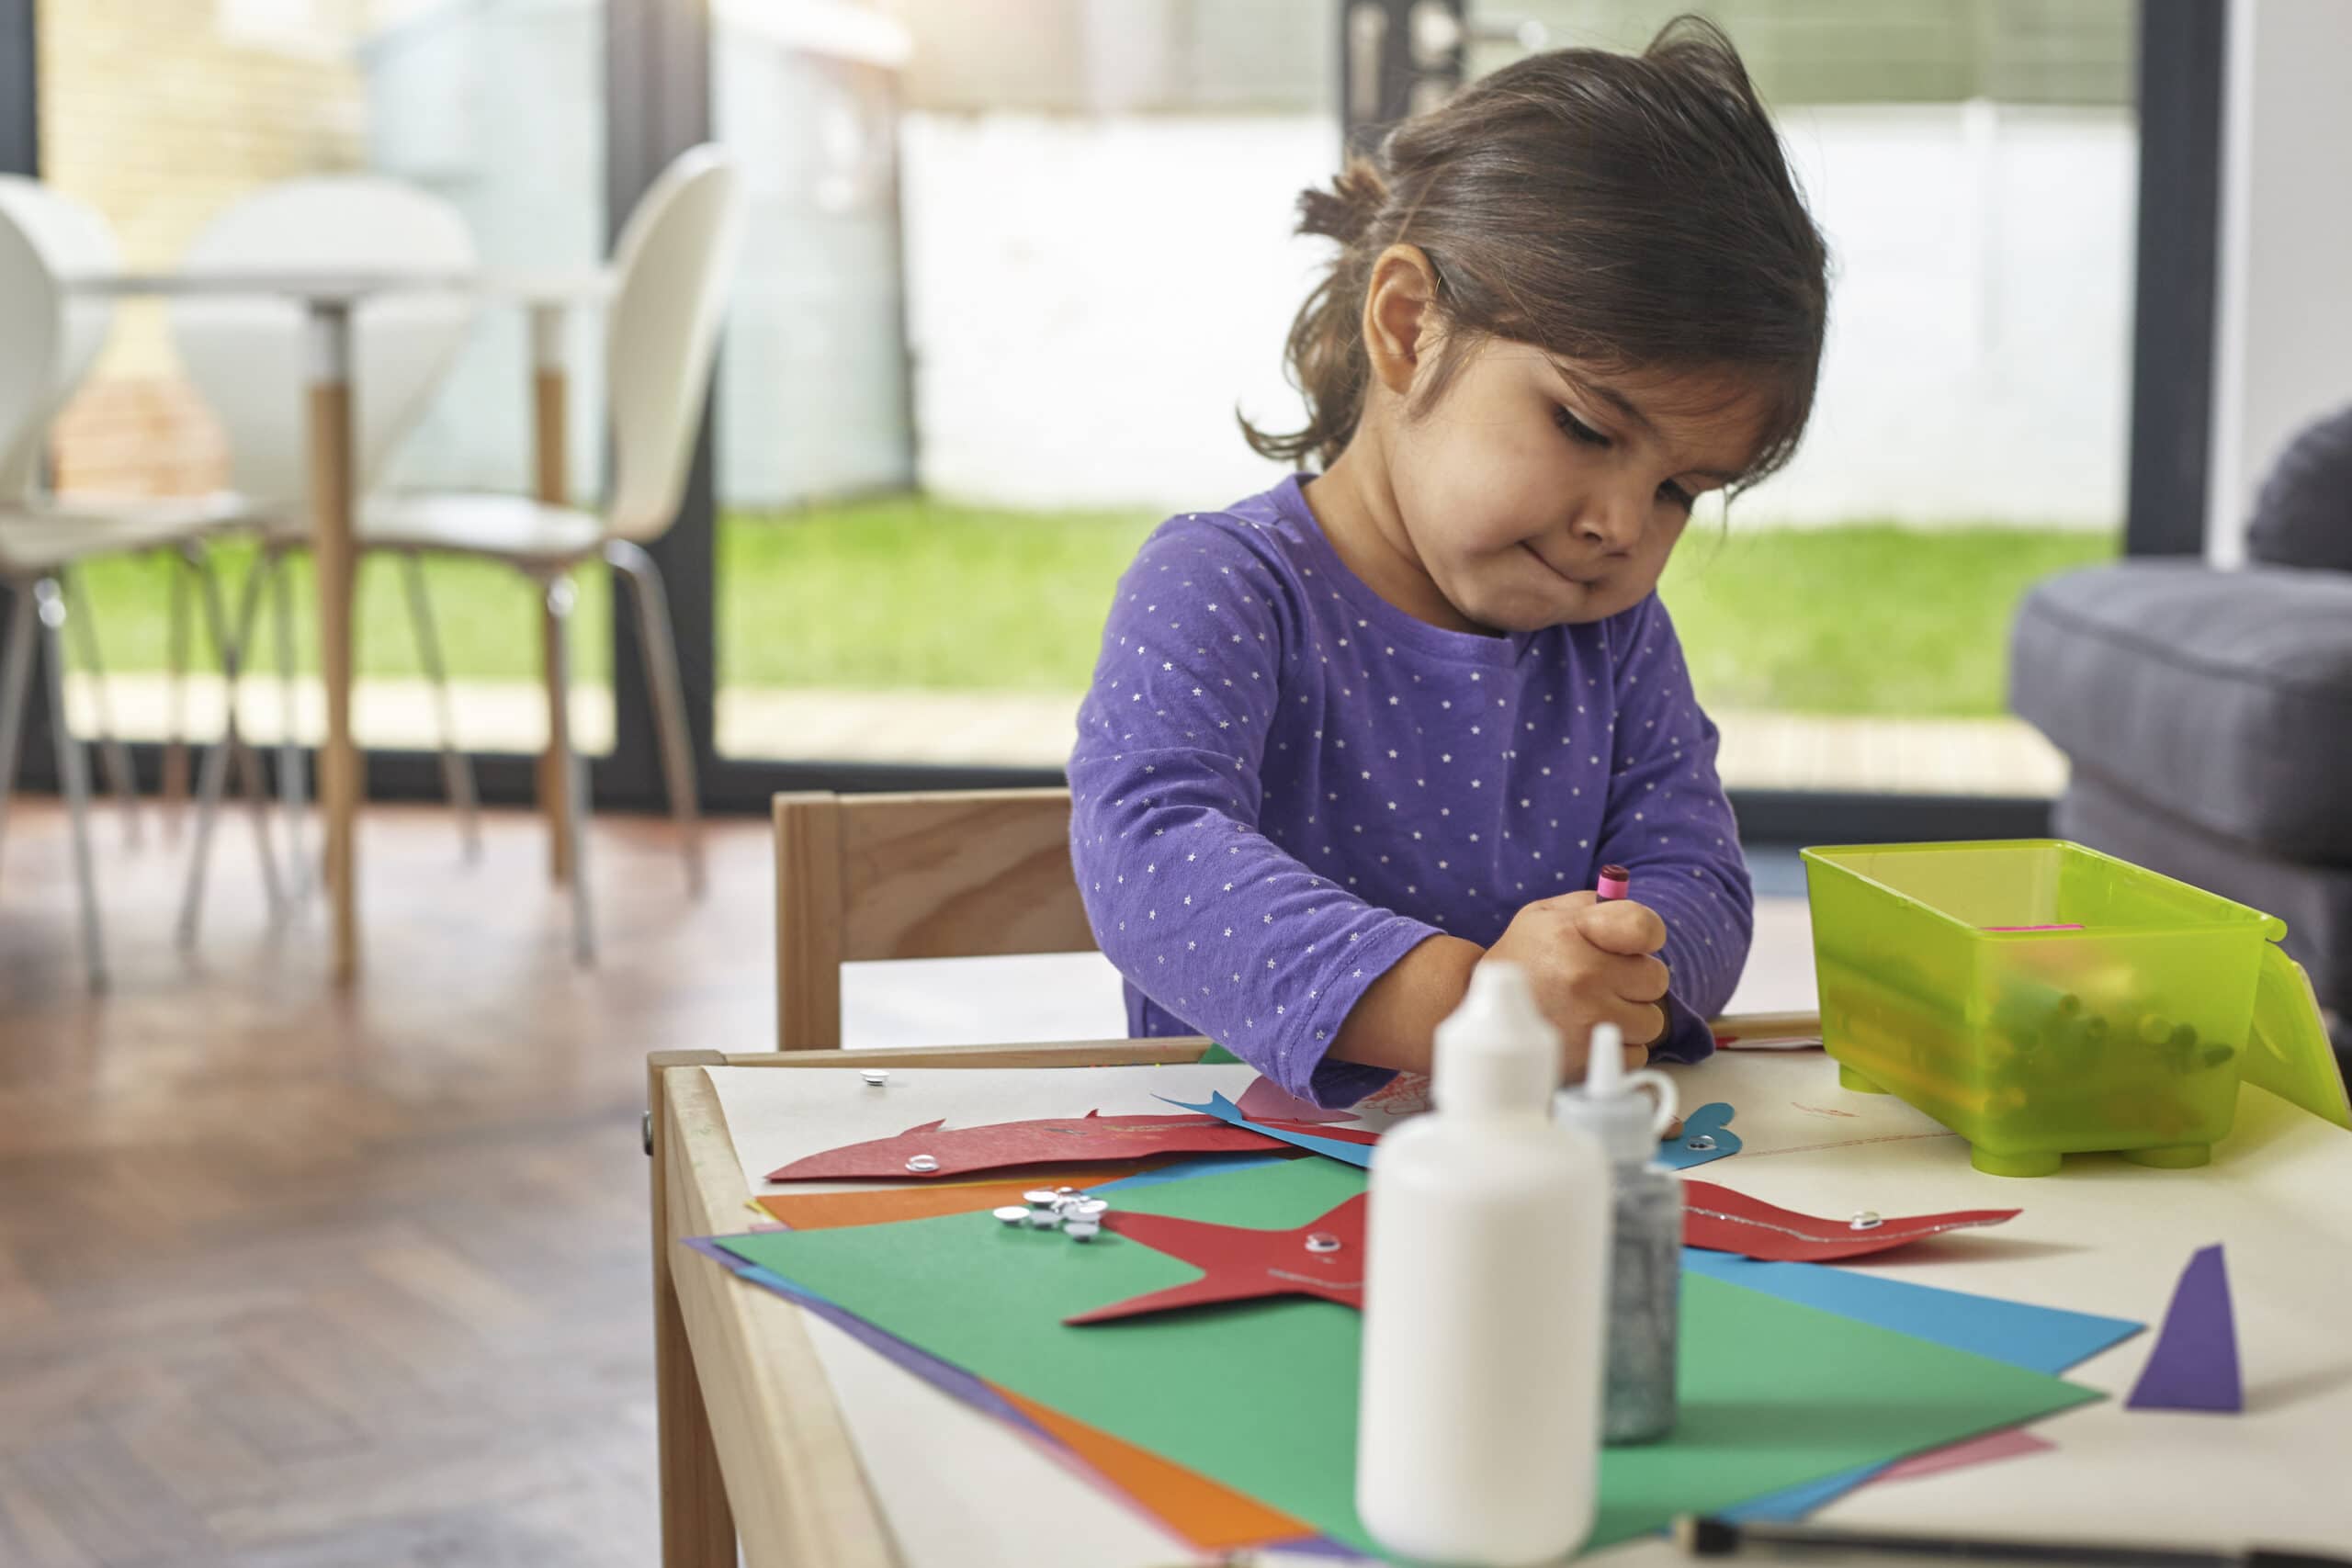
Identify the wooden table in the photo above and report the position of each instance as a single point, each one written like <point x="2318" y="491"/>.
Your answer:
<point x="329" y="300"/>
<point x="748" y="1412"/>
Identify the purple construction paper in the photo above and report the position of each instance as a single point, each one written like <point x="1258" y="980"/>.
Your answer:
<point x="948" y="1378"/>
<point x="956" y="1384"/>
<point x="2195" y="1363"/>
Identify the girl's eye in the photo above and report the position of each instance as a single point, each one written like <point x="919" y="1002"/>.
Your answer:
<point x="1674" y="495"/>
<point x="1577" y="429"/>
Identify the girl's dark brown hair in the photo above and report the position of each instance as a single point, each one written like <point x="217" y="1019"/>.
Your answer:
<point x="1624" y="211"/>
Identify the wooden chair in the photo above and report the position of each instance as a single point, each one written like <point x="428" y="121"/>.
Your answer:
<point x="979" y="874"/>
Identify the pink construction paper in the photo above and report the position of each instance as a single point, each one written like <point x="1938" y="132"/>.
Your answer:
<point x="1267" y="1101"/>
<point x="2014" y="1443"/>
<point x="2195" y="1363"/>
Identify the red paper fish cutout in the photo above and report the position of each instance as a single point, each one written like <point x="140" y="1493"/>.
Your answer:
<point x="998" y="1146"/>
<point x="1322" y="1258"/>
<point x="1723" y="1221"/>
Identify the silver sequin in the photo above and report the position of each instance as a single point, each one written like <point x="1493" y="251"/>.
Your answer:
<point x="1322" y="1241"/>
<point x="1702" y="1142"/>
<point x="1012" y="1214"/>
<point x="875" y="1077"/>
<point x="1867" y="1220"/>
<point x="921" y="1163"/>
<point x="1082" y="1230"/>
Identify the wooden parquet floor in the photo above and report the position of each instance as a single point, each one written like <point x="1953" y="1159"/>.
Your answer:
<point x="289" y="1276"/>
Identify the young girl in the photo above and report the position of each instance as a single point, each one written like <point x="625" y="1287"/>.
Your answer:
<point x="1349" y="738"/>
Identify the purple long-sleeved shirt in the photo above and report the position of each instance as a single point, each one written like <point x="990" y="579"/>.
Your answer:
<point x="1282" y="783"/>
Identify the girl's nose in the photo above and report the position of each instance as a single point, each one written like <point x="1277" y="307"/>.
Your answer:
<point x="1611" y="522"/>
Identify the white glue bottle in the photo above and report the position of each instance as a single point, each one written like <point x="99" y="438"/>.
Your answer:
<point x="1480" y="1422"/>
<point x="1646" y="1247"/>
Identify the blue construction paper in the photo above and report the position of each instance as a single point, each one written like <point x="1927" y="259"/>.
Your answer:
<point x="1184" y="1170"/>
<point x="2042" y="1339"/>
<point x="1225" y="1109"/>
<point x="1713" y="1120"/>
<point x="2195" y="1363"/>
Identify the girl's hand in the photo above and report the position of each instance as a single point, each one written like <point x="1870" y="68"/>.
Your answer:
<point x="1591" y="962"/>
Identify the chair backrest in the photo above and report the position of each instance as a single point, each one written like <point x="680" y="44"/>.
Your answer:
<point x="672" y="267"/>
<point x="32" y="326"/>
<point x="961" y="874"/>
<point x="71" y="237"/>
<point x="248" y="358"/>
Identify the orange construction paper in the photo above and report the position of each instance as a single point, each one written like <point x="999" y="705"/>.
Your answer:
<point x="1210" y="1515"/>
<point x="828" y="1211"/>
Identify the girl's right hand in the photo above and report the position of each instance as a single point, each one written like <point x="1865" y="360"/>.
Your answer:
<point x="1589" y="962"/>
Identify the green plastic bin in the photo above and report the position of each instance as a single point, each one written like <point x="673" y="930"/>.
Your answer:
<point x="2129" y="1034"/>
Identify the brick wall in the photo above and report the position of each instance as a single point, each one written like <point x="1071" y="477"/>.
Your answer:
<point x="159" y="113"/>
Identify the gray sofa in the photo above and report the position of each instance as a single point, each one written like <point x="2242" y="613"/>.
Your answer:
<point x="2208" y="715"/>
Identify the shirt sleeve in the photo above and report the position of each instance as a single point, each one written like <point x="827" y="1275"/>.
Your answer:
<point x="1197" y="907"/>
<point x="1670" y="823"/>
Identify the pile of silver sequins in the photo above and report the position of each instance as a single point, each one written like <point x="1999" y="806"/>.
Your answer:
<point x="1078" y="1215"/>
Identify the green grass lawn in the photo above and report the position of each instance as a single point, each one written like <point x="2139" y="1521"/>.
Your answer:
<point x="910" y="592"/>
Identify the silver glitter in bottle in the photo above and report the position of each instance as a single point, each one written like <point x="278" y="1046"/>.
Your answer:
<point x="1644" y="1305"/>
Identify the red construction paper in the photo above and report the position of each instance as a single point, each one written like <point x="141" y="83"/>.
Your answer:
<point x="1242" y="1264"/>
<point x="1723" y="1221"/>
<point x="1267" y="1101"/>
<point x="1092" y="1138"/>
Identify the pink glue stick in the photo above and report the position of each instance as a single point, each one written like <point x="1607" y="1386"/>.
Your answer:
<point x="1615" y="881"/>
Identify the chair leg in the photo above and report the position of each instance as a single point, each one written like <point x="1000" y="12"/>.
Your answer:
<point x="16" y="670"/>
<point x="659" y="646"/>
<point x="212" y="774"/>
<point x="561" y="597"/>
<point x="82" y="626"/>
<point x="178" y="565"/>
<point x="456" y="768"/>
<point x="72" y="773"/>
<point x="290" y="749"/>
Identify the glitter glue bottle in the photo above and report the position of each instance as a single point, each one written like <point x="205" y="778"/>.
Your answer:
<point x="1488" y="1242"/>
<point x="1645" y="1246"/>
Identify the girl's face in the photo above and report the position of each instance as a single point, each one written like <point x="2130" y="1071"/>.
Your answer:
<point x="1536" y="492"/>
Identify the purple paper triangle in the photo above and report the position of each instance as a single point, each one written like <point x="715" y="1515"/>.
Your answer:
<point x="2195" y="1363"/>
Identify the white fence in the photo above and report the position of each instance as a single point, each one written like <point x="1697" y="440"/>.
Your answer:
<point x="1090" y="299"/>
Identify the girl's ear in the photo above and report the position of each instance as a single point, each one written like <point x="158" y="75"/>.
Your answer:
<point x="1400" y="319"/>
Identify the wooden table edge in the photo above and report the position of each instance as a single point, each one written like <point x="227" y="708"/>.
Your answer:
<point x="763" y="1453"/>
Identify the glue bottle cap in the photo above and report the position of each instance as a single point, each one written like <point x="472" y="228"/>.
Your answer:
<point x="1609" y="1105"/>
<point x="1496" y="1051"/>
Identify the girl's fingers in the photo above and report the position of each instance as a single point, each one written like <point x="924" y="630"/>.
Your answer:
<point x="1620" y="926"/>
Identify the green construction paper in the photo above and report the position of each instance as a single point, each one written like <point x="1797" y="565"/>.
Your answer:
<point x="1217" y="1054"/>
<point x="1261" y="1395"/>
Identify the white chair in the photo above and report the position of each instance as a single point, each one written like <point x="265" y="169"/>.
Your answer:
<point x="670" y="269"/>
<point x="43" y="336"/>
<point x="74" y="239"/>
<point x="245" y="357"/>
